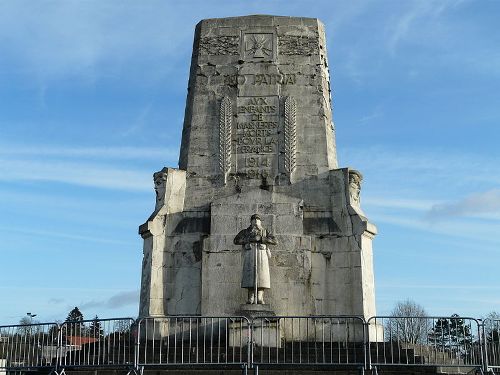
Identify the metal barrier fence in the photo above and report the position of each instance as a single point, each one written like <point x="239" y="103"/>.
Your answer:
<point x="314" y="340"/>
<point x="492" y="343"/>
<point x="426" y="341"/>
<point x="29" y="346"/>
<point x="273" y="341"/>
<point x="193" y="340"/>
<point x="98" y="343"/>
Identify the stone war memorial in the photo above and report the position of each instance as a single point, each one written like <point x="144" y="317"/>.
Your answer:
<point x="258" y="219"/>
<point x="258" y="255"/>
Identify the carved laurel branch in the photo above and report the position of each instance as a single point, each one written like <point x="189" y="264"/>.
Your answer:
<point x="290" y="134"/>
<point x="225" y="119"/>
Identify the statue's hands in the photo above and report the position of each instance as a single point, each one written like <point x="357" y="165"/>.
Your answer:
<point x="255" y="236"/>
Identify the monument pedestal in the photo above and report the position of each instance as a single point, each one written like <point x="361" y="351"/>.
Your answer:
<point x="252" y="311"/>
<point x="266" y="330"/>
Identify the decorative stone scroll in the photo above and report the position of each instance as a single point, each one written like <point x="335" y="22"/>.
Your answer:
<point x="298" y="45"/>
<point x="290" y="134"/>
<point x="225" y="123"/>
<point x="219" y="45"/>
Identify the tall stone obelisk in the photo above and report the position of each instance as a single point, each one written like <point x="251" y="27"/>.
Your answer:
<point x="258" y="138"/>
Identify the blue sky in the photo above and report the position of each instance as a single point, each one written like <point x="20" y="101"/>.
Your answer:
<point x="92" y="98"/>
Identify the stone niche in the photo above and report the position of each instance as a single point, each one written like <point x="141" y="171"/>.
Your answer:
<point x="258" y="137"/>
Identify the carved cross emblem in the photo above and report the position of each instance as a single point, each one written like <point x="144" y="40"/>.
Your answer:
<point x="259" y="45"/>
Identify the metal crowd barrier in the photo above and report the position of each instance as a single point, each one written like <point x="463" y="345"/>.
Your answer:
<point x="29" y="347"/>
<point x="193" y="340"/>
<point x="317" y="341"/>
<point x="272" y="341"/>
<point x="451" y="342"/>
<point x="98" y="343"/>
<point x="492" y="343"/>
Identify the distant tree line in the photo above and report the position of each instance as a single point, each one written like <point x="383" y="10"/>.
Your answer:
<point x="409" y="323"/>
<point x="74" y="326"/>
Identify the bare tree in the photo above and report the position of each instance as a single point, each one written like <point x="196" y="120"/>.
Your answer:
<point x="408" y="323"/>
<point x="492" y="327"/>
<point x="24" y="327"/>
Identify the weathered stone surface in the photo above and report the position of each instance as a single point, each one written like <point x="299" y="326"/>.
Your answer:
<point x="258" y="138"/>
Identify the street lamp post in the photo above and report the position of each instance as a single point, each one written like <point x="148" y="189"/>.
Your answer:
<point x="31" y="315"/>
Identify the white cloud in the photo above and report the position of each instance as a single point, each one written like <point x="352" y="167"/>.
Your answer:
<point x="400" y="285"/>
<point x="472" y="205"/>
<point x="399" y="203"/>
<point x="139" y="123"/>
<point x="122" y="153"/>
<point x="76" y="173"/>
<point x="436" y="174"/>
<point x="432" y="191"/>
<point x="420" y="17"/>
<point x="91" y="38"/>
<point x="114" y="302"/>
<point x="43" y="233"/>
<point x="99" y="167"/>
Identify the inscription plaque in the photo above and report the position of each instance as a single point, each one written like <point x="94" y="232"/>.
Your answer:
<point x="256" y="136"/>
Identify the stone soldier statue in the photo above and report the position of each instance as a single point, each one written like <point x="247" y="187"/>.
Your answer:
<point x="256" y="254"/>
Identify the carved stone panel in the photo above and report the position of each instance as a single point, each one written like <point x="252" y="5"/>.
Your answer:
<point x="219" y="45"/>
<point x="256" y="136"/>
<point x="258" y="46"/>
<point x="298" y="45"/>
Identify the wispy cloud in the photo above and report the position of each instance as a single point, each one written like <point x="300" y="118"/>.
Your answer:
<point x="436" y="172"/>
<point x="139" y="123"/>
<point x="376" y="113"/>
<point x="399" y="203"/>
<point x="431" y="191"/>
<point x="90" y="39"/>
<point x="56" y="300"/>
<point x="114" y="302"/>
<point x="481" y="232"/>
<point x="412" y="19"/>
<point x="441" y="286"/>
<point x="76" y="173"/>
<point x="70" y="236"/>
<point x="474" y="205"/>
<point x="112" y="152"/>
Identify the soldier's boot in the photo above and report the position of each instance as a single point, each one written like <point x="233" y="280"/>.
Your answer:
<point x="260" y="297"/>
<point x="251" y="296"/>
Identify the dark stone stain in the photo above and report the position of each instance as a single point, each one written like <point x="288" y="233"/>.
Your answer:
<point x="316" y="225"/>
<point x="197" y="250"/>
<point x="193" y="225"/>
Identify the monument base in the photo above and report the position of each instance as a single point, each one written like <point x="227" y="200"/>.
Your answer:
<point x="266" y="330"/>
<point x="252" y="311"/>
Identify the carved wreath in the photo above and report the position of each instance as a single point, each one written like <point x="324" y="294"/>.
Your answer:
<point x="225" y="121"/>
<point x="290" y="134"/>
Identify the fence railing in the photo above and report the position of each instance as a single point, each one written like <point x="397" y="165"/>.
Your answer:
<point x="431" y="341"/>
<point x="29" y="346"/>
<point x="298" y="340"/>
<point x="193" y="340"/>
<point x="492" y="343"/>
<point x="272" y="341"/>
<point x="97" y="343"/>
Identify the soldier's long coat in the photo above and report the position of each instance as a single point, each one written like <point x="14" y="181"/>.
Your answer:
<point x="248" y="273"/>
